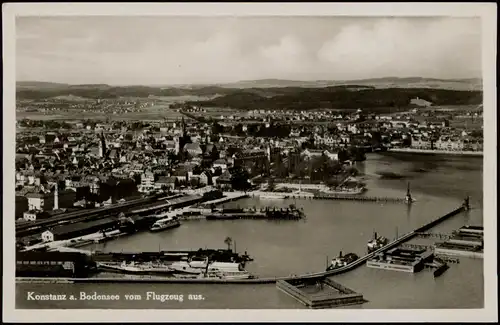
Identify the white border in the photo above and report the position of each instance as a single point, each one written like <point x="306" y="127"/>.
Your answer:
<point x="484" y="10"/>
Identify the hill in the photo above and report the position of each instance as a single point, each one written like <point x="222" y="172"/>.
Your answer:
<point x="343" y="97"/>
<point x="280" y="93"/>
<point x="387" y="82"/>
<point x="39" y="85"/>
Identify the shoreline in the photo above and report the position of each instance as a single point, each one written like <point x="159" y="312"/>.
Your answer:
<point x="437" y="152"/>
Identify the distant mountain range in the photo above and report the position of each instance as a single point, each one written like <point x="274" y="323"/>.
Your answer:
<point x="387" y="82"/>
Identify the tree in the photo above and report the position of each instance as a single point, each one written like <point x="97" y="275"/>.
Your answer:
<point x="217" y="128"/>
<point x="228" y="241"/>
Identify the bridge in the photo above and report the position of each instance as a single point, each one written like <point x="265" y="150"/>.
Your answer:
<point x="318" y="275"/>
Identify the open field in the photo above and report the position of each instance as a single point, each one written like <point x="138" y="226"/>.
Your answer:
<point x="151" y="114"/>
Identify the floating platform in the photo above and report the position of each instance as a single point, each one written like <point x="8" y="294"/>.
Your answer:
<point x="471" y="231"/>
<point x="451" y="249"/>
<point x="401" y="259"/>
<point x="320" y="293"/>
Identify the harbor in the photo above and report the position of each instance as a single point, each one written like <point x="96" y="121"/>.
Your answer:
<point x="389" y="248"/>
<point x="321" y="215"/>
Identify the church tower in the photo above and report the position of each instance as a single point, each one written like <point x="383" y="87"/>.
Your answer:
<point x="102" y="145"/>
<point x="183" y="126"/>
<point x="177" y="145"/>
<point x="56" y="197"/>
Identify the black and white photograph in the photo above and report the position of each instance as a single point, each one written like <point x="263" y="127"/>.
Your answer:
<point x="331" y="160"/>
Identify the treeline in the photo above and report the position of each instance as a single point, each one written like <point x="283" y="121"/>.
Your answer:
<point x="343" y="98"/>
<point x="295" y="98"/>
<point x="106" y="91"/>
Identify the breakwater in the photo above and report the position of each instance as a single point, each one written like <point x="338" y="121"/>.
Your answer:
<point x="268" y="280"/>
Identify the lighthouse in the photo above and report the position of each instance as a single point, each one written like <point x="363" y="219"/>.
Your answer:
<point x="408" y="198"/>
<point x="466" y="203"/>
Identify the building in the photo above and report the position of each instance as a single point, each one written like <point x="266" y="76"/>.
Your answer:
<point x="102" y="146"/>
<point x="421" y="143"/>
<point x="79" y="229"/>
<point x="221" y="163"/>
<point x="333" y="155"/>
<point x="224" y="180"/>
<point x="193" y="149"/>
<point x="147" y="182"/>
<point x="40" y="201"/>
<point x="449" y="144"/>
<point x="170" y="183"/>
<point x="206" y="178"/>
<point x="310" y="153"/>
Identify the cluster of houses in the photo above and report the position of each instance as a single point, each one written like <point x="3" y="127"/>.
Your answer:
<point x="71" y="169"/>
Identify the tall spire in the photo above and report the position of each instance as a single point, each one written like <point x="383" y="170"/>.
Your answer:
<point x="102" y="145"/>
<point x="183" y="127"/>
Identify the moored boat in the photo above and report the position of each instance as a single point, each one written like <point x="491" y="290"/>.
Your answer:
<point x="164" y="224"/>
<point x="342" y="260"/>
<point x="377" y="243"/>
<point x="136" y="268"/>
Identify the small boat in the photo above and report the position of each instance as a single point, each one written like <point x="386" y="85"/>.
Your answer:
<point x="164" y="224"/>
<point x="342" y="260"/>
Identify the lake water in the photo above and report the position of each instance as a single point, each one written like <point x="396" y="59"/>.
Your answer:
<point x="439" y="185"/>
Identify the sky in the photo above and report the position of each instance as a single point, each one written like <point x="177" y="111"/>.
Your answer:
<point x="119" y="50"/>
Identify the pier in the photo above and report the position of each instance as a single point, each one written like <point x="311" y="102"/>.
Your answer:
<point x="326" y="196"/>
<point x="362" y="198"/>
<point x="398" y="241"/>
<point x="434" y="235"/>
<point x="228" y="197"/>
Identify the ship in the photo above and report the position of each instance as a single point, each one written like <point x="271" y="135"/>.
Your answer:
<point x="217" y="275"/>
<point x="273" y="195"/>
<point x="201" y="268"/>
<point x="206" y="269"/>
<point x="219" y="255"/>
<point x="164" y="224"/>
<point x="342" y="260"/>
<point x="136" y="268"/>
<point x="376" y="243"/>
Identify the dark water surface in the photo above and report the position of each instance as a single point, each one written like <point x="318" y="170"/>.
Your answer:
<point x="439" y="184"/>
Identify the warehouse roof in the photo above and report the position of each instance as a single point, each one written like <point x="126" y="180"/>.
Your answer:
<point x="80" y="226"/>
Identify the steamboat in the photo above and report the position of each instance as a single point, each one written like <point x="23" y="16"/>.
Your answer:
<point x="376" y="243"/>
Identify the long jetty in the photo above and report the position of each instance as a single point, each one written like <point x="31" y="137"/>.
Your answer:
<point x="358" y="198"/>
<point x="326" y="196"/>
<point x="398" y="241"/>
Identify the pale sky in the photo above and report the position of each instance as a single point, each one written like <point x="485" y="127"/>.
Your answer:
<point x="180" y="50"/>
